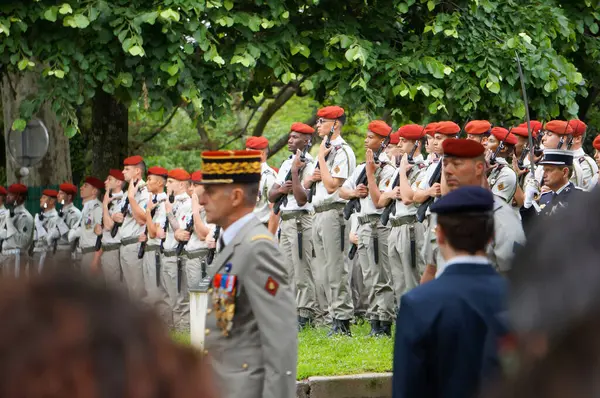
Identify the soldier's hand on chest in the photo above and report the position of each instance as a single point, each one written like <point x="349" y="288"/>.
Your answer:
<point x="118" y="217"/>
<point x="316" y="175"/>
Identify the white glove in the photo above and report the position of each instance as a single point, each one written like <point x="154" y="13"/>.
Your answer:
<point x="531" y="190"/>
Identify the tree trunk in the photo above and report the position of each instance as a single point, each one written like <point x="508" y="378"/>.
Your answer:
<point x="109" y="136"/>
<point x="55" y="167"/>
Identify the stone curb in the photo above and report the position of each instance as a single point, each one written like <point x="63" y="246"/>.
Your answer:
<point x="368" y="385"/>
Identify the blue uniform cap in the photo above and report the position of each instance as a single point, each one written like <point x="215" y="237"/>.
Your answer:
<point x="469" y="199"/>
<point x="557" y="157"/>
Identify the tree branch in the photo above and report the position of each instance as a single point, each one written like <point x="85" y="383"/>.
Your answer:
<point x="161" y="128"/>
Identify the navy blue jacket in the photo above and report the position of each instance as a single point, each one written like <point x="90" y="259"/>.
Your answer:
<point x="447" y="333"/>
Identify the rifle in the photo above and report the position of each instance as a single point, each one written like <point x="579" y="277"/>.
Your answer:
<point x="354" y="203"/>
<point x="98" y="244"/>
<point x="313" y="185"/>
<point x="117" y="225"/>
<point x="390" y="209"/>
<point x="436" y="177"/>
<point x="166" y="226"/>
<point x="283" y="199"/>
<point x="142" y="249"/>
<point x="188" y="228"/>
<point x="211" y="252"/>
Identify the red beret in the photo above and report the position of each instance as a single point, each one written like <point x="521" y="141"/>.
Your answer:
<point x="302" y="128"/>
<point x="95" y="182"/>
<point x="430" y="128"/>
<point x="158" y="171"/>
<point x="17" y="189"/>
<point x="477" y="127"/>
<point x="68" y="188"/>
<point x="330" y="112"/>
<point x="447" y="128"/>
<point x="462" y="148"/>
<point x="502" y="134"/>
<point x="179" y="175"/>
<point x="535" y="125"/>
<point x="522" y="131"/>
<point x="196" y="176"/>
<point x="3" y="191"/>
<point x="380" y="127"/>
<point x="395" y="138"/>
<point x="412" y="132"/>
<point x="257" y="143"/>
<point x="133" y="160"/>
<point x="596" y="142"/>
<point x="578" y="126"/>
<point x="559" y="127"/>
<point x="118" y="174"/>
<point x="50" y="193"/>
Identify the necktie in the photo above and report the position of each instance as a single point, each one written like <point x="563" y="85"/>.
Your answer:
<point x="221" y="244"/>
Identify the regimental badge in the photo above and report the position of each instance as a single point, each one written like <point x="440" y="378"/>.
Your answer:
<point x="501" y="186"/>
<point x="493" y="181"/>
<point x="224" y="294"/>
<point x="88" y="223"/>
<point x="387" y="183"/>
<point x="418" y="183"/>
<point x="337" y="169"/>
<point x="271" y="286"/>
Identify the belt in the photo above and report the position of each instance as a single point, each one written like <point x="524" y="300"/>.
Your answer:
<point x="151" y="248"/>
<point x="196" y="254"/>
<point x="41" y="249"/>
<point x="169" y="253"/>
<point x="288" y="215"/>
<point x="129" y="241"/>
<point x="330" y="206"/>
<point x="11" y="252"/>
<point x="369" y="218"/>
<point x="400" y="221"/>
<point x="109" y="247"/>
<point x="63" y="248"/>
<point x="85" y="250"/>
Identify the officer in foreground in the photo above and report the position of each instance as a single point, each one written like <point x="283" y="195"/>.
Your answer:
<point x="447" y="329"/>
<point x="251" y="333"/>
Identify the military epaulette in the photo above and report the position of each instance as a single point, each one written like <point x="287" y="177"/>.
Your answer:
<point x="582" y="159"/>
<point x="263" y="236"/>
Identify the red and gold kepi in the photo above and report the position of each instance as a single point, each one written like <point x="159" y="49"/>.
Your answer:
<point x="231" y="167"/>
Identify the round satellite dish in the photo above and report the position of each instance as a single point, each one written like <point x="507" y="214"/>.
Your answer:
<point x="28" y="148"/>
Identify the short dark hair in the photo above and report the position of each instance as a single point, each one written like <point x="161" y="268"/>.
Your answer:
<point x="342" y="119"/>
<point x="142" y="166"/>
<point x="469" y="232"/>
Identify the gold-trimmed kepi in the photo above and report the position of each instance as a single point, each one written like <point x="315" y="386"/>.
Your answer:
<point x="231" y="167"/>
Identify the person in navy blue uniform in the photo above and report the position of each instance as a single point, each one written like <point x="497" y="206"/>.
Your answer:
<point x="447" y="329"/>
<point x="558" y="169"/>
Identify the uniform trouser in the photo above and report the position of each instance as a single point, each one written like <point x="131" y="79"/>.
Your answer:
<point x="14" y="265"/>
<point x="431" y="253"/>
<point x="156" y="296"/>
<point x="180" y="301"/>
<point x="111" y="266"/>
<point x="406" y="276"/>
<point x="132" y="269"/>
<point x="332" y="272"/>
<point x="360" y="295"/>
<point x="377" y="276"/>
<point x="300" y="269"/>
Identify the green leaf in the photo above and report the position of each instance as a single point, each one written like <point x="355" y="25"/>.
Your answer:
<point x="149" y="17"/>
<point x="51" y="14"/>
<point x="219" y="60"/>
<point x="511" y="43"/>
<point x="22" y="65"/>
<point x="228" y="4"/>
<point x="494" y="87"/>
<point x="65" y="9"/>
<point x="330" y="65"/>
<point x="82" y="21"/>
<point x="594" y="28"/>
<point x="173" y="69"/>
<point x="125" y="79"/>
<point x="430" y="5"/>
<point x="170" y="15"/>
<point x="59" y="73"/>
<point x="403" y="8"/>
<point x="19" y="125"/>
<point x="188" y="48"/>
<point x="447" y="70"/>
<point x="4" y="29"/>
<point x="136" y="50"/>
<point x="285" y="15"/>
<point x="70" y="131"/>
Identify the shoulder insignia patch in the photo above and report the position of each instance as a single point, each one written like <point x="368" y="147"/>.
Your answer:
<point x="271" y="286"/>
<point x="581" y="159"/>
<point x="337" y="169"/>
<point x="387" y="183"/>
<point x="501" y="186"/>
<point x="418" y="183"/>
<point x="258" y="237"/>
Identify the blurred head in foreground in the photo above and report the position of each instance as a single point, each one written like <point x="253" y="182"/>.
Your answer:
<point x="63" y="336"/>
